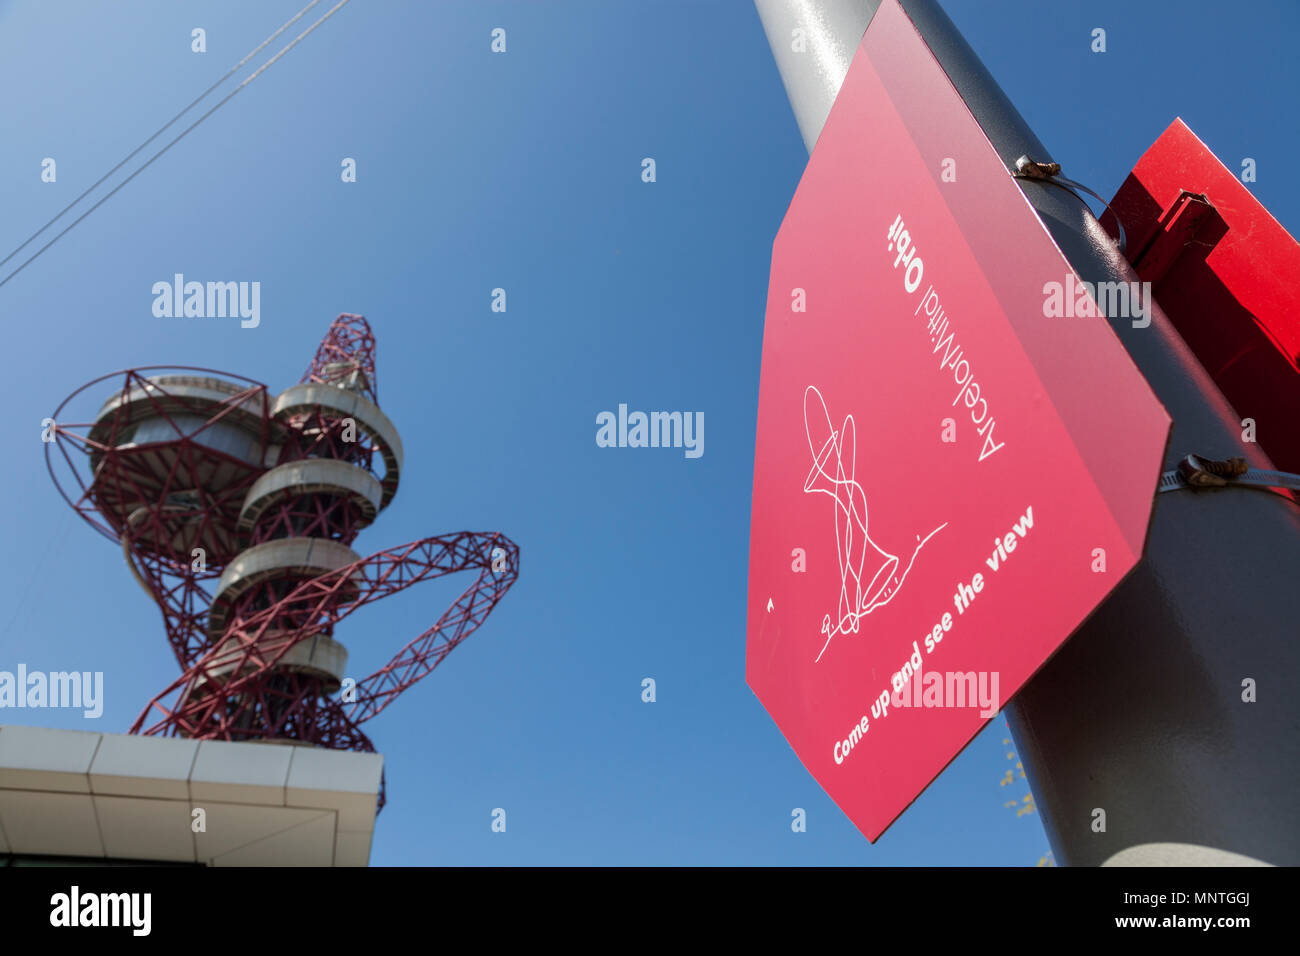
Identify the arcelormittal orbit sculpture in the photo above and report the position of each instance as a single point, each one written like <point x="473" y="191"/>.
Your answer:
<point x="236" y="511"/>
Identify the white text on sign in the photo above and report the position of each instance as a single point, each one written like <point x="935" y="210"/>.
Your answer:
<point x="968" y="390"/>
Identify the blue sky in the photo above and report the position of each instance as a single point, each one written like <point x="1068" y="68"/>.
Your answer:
<point x="522" y="171"/>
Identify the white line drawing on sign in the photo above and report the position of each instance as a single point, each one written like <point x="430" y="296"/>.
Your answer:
<point x="836" y="479"/>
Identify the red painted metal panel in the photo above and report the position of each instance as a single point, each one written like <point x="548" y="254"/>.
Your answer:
<point x="1228" y="276"/>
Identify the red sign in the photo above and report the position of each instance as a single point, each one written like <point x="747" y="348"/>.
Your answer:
<point x="956" y="458"/>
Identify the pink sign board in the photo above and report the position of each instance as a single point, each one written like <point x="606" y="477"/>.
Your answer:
<point x="956" y="458"/>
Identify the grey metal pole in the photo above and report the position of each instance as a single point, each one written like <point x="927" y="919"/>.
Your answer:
<point x="1141" y="714"/>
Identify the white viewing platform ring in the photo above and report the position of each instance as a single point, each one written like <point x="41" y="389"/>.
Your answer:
<point x="283" y="558"/>
<point x="182" y="396"/>
<point x="313" y="396"/>
<point x="318" y="656"/>
<point x="312" y="476"/>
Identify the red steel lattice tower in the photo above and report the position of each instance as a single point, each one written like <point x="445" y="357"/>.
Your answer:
<point x="237" y="512"/>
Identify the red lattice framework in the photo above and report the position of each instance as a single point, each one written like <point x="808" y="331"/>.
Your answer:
<point x="178" y="462"/>
<point x="348" y="345"/>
